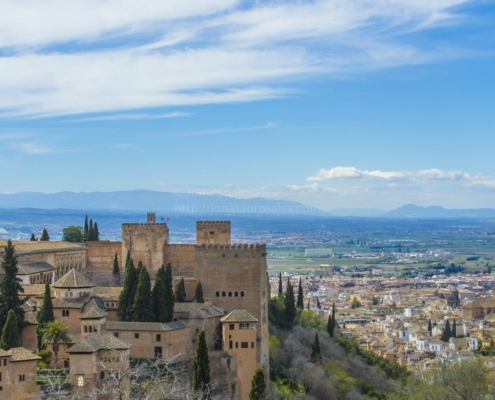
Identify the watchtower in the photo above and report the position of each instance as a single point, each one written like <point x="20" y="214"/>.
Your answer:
<point x="213" y="233"/>
<point x="151" y="218"/>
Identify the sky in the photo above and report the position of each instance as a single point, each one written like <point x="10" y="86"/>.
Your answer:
<point x="336" y="104"/>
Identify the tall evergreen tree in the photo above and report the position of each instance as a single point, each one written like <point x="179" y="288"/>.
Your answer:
<point x="139" y="267"/>
<point x="315" y="350"/>
<point x="318" y="305"/>
<point x="128" y="258"/>
<point x="159" y="297"/>
<point x="446" y="332"/>
<point x="180" y="291"/>
<point x="116" y="271"/>
<point x="96" y="232"/>
<point x="86" y="228"/>
<point x="198" y="293"/>
<point x="126" y="298"/>
<point x="142" y="309"/>
<point x="280" y="289"/>
<point x="45" y="237"/>
<point x="11" y="337"/>
<point x="454" y="330"/>
<point x="331" y="322"/>
<point x="201" y="369"/>
<point x="430" y="328"/>
<point x="33" y="238"/>
<point x="258" y="385"/>
<point x="10" y="287"/>
<point x="290" y="305"/>
<point x="169" y="292"/>
<point x="335" y="324"/>
<point x="300" y="297"/>
<point x="45" y="314"/>
<point x="91" y="232"/>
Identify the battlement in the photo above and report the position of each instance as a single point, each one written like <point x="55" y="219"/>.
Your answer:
<point x="213" y="232"/>
<point x="234" y="250"/>
<point x="141" y="224"/>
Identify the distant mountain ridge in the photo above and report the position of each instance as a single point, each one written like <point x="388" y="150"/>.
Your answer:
<point x="148" y="200"/>
<point x="413" y="211"/>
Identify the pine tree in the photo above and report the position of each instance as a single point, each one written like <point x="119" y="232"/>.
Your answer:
<point x="446" y="332"/>
<point x="45" y="314"/>
<point x="116" y="271"/>
<point x="454" y="330"/>
<point x="290" y="306"/>
<point x="198" y="294"/>
<point x="169" y="292"/>
<point x="10" y="287"/>
<point x="91" y="232"/>
<point x="33" y="238"/>
<point x="126" y="297"/>
<point x="86" y="229"/>
<point x="315" y="350"/>
<point x="280" y="289"/>
<point x="258" y="385"/>
<point x="201" y="369"/>
<point x="430" y="328"/>
<point x="11" y="337"/>
<point x="331" y="322"/>
<point x="45" y="237"/>
<point x="180" y="291"/>
<point x="96" y="232"/>
<point x="142" y="309"/>
<point x="300" y="297"/>
<point x="159" y="297"/>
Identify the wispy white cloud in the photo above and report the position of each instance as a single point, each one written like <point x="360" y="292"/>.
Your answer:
<point x="131" y="116"/>
<point x="33" y="147"/>
<point x="93" y="56"/>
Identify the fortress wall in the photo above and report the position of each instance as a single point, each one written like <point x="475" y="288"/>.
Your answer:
<point x="212" y="233"/>
<point x="145" y="243"/>
<point x="180" y="257"/>
<point x="100" y="255"/>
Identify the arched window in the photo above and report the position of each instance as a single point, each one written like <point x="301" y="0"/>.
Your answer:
<point x="242" y="294"/>
<point x="223" y="294"/>
<point x="236" y="294"/>
<point x="230" y="294"/>
<point x="218" y="294"/>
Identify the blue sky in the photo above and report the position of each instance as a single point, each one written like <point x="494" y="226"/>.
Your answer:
<point x="362" y="103"/>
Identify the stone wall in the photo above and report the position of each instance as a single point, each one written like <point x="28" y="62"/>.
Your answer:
<point x="100" y="255"/>
<point x="145" y="242"/>
<point x="212" y="233"/>
<point x="180" y="257"/>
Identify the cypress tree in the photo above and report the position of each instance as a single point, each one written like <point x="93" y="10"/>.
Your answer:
<point x="10" y="287"/>
<point x="142" y="309"/>
<point x="33" y="238"/>
<point x="198" y="294"/>
<point x="290" y="306"/>
<point x="335" y="325"/>
<point x="96" y="232"/>
<point x="159" y="298"/>
<point x="315" y="350"/>
<point x="45" y="314"/>
<point x="258" y="385"/>
<point x="128" y="258"/>
<point x="280" y="289"/>
<point x="201" y="369"/>
<point x="318" y="305"/>
<point x="331" y="322"/>
<point x="454" y="330"/>
<point x="139" y="268"/>
<point x="180" y="291"/>
<point x="91" y="232"/>
<point x="116" y="271"/>
<point x="446" y="332"/>
<point x="126" y="297"/>
<point x="86" y="228"/>
<point x="10" y="333"/>
<point x="169" y="293"/>
<point x="300" y="298"/>
<point x="430" y="328"/>
<point x="45" y="237"/>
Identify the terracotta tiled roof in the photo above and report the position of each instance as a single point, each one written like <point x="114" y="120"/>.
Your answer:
<point x="107" y="292"/>
<point x="33" y="290"/>
<point x="239" y="316"/>
<point x="22" y="354"/>
<point x="73" y="279"/>
<point x="197" y="310"/>
<point x="91" y="344"/>
<point x="144" y="326"/>
<point x="93" y="313"/>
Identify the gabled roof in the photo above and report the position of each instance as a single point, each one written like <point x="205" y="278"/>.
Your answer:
<point x="239" y="316"/>
<point x="144" y="326"/>
<point x="91" y="344"/>
<point x="73" y="279"/>
<point x="34" y="268"/>
<point x="22" y="354"/>
<point x="93" y="313"/>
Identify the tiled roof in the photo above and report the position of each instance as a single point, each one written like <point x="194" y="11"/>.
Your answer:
<point x="239" y="316"/>
<point x="93" y="313"/>
<point x="33" y="290"/>
<point x="197" y="310"/>
<point x="91" y="344"/>
<point x="3" y="353"/>
<point x="107" y="292"/>
<point x="73" y="279"/>
<point x="34" y="268"/>
<point x="22" y="354"/>
<point x="144" y="326"/>
<point x="26" y="246"/>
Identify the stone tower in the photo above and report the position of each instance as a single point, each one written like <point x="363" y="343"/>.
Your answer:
<point x="212" y="233"/>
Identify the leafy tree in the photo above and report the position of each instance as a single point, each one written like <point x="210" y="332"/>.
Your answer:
<point x="280" y="289"/>
<point x="126" y="298"/>
<point x="290" y="306"/>
<point x="116" y="271"/>
<point x="169" y="292"/>
<point x="198" y="294"/>
<point x="10" y="287"/>
<point x="446" y="332"/>
<point x="73" y="234"/>
<point x="454" y="330"/>
<point x="96" y="232"/>
<point x="201" y="369"/>
<point x="142" y="309"/>
<point x="315" y="350"/>
<point x="86" y="228"/>
<point x="374" y="300"/>
<point x="300" y="298"/>
<point x="45" y="237"/>
<point x="355" y="303"/>
<point x="55" y="332"/>
<point x="258" y="385"/>
<point x="33" y="238"/>
<point x="180" y="291"/>
<point x="159" y="296"/>
<point x="10" y="333"/>
<point x="45" y="314"/>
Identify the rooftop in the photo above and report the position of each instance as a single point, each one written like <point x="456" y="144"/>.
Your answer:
<point x="73" y="279"/>
<point x="239" y="316"/>
<point x="144" y="326"/>
<point x="34" y="268"/>
<point x="92" y="344"/>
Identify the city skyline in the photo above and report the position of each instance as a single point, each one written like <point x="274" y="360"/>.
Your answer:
<point x="355" y="105"/>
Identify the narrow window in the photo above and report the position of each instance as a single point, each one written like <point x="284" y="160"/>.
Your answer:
<point x="158" y="338"/>
<point x="252" y="345"/>
<point x="223" y="294"/>
<point x="116" y="334"/>
<point x="136" y="336"/>
<point x="242" y="294"/>
<point x="236" y="345"/>
<point x="217" y="294"/>
<point x="230" y="344"/>
<point x="230" y="294"/>
<point x="236" y="294"/>
<point x="85" y="329"/>
<point x="231" y="327"/>
<point x="102" y="375"/>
